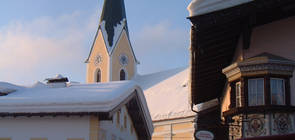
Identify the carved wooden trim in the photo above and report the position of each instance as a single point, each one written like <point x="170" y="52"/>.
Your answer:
<point x="287" y="91"/>
<point x="242" y="91"/>
<point x="245" y="92"/>
<point x="267" y="96"/>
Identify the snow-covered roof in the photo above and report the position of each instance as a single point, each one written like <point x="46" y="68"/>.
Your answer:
<point x="7" y="88"/>
<point x="75" y="97"/>
<point x="201" y="7"/>
<point x="58" y="76"/>
<point x="167" y="93"/>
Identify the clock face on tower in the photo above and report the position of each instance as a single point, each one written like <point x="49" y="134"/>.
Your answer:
<point x="123" y="59"/>
<point x="98" y="59"/>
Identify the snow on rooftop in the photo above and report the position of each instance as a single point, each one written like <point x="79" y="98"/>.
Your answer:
<point x="58" y="76"/>
<point x="201" y="7"/>
<point x="98" y="97"/>
<point x="74" y="98"/>
<point x="167" y="93"/>
<point x="6" y="88"/>
<point x="117" y="32"/>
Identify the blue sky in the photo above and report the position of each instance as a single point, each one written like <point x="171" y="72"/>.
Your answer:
<point x="42" y="38"/>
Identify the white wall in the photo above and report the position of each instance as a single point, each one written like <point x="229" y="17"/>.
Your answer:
<point x="112" y="129"/>
<point x="52" y="128"/>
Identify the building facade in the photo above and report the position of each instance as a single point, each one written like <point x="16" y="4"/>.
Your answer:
<point x="244" y="49"/>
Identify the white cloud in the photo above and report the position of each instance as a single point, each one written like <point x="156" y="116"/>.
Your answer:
<point x="45" y="46"/>
<point x="161" y="47"/>
<point x="40" y="48"/>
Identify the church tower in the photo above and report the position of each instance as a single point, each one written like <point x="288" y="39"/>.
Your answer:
<point x="111" y="57"/>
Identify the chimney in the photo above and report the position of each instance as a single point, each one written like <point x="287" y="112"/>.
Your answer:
<point x="57" y="82"/>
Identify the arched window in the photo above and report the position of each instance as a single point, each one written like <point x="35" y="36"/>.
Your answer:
<point x="122" y="75"/>
<point x="98" y="76"/>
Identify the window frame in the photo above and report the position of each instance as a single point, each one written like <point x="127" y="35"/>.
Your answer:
<point x="125" y="121"/>
<point x="98" y="72"/>
<point x="263" y="92"/>
<point x="238" y="96"/>
<point x="284" y="90"/>
<point x="118" y="114"/>
<point x="125" y="74"/>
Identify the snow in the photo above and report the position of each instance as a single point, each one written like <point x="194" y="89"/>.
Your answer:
<point x="58" y="76"/>
<point x="5" y="85"/>
<point x="201" y="7"/>
<point x="39" y="85"/>
<point x="75" y="97"/>
<point x="8" y="88"/>
<point x="117" y="32"/>
<point x="167" y="93"/>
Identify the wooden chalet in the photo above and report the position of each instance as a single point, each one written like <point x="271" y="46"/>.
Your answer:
<point x="227" y="37"/>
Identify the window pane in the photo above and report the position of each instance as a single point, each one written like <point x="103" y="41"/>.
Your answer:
<point x="277" y="91"/>
<point x="260" y="92"/>
<point x="251" y="95"/>
<point x="282" y="92"/>
<point x="256" y="92"/>
<point x="122" y="75"/>
<point x="98" y="76"/>
<point x="260" y="99"/>
<point x="273" y="89"/>
<point x="273" y="85"/>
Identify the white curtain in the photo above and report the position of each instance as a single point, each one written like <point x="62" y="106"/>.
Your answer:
<point x="277" y="88"/>
<point x="256" y="92"/>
